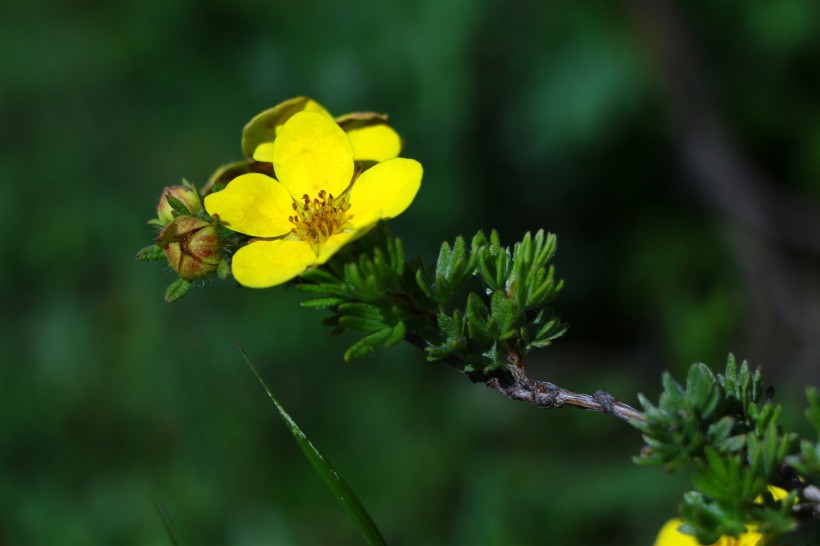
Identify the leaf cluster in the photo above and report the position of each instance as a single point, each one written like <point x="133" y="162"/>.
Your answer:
<point x="727" y="429"/>
<point x="492" y="300"/>
<point x="370" y="288"/>
<point x="479" y="304"/>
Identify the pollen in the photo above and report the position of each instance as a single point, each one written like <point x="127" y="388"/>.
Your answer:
<point x="315" y="220"/>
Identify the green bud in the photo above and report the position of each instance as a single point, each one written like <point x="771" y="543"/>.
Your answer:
<point x="181" y="196"/>
<point x="192" y="246"/>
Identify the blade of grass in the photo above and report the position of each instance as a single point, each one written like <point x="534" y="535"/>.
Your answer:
<point x="168" y="523"/>
<point x="340" y="490"/>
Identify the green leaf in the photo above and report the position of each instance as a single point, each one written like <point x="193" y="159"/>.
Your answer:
<point x="396" y="335"/>
<point x="359" y="324"/>
<point x="321" y="303"/>
<point x="365" y="346"/>
<point x="338" y="487"/>
<point x="319" y="275"/>
<point x="443" y="262"/>
<point x="507" y="313"/>
<point x="324" y="289"/>
<point x="357" y="351"/>
<point x="361" y="310"/>
<point x="478" y="318"/>
<point x="168" y="524"/>
<point x="176" y="290"/>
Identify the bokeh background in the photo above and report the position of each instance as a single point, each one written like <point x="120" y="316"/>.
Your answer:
<point x="673" y="147"/>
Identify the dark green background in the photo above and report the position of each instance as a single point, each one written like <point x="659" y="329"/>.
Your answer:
<point x="568" y="116"/>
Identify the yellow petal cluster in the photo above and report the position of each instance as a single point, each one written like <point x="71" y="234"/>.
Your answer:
<point x="372" y="138"/>
<point x="318" y="201"/>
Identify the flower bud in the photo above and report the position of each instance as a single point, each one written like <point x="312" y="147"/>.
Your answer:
<point x="192" y="246"/>
<point x="186" y="195"/>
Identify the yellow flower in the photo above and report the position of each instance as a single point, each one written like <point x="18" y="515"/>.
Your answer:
<point x="671" y="536"/>
<point x="318" y="204"/>
<point x="372" y="137"/>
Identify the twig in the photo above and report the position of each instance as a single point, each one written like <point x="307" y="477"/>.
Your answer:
<point x="517" y="385"/>
<point x="543" y="394"/>
<point x="549" y="396"/>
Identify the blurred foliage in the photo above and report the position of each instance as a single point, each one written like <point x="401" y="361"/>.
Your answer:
<point x="537" y="115"/>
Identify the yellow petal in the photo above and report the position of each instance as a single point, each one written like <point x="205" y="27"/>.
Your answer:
<point x="261" y="264"/>
<point x="253" y="204"/>
<point x="265" y="126"/>
<point x="264" y="152"/>
<point x="333" y="244"/>
<point x="670" y="536"/>
<point x="312" y="153"/>
<point x="374" y="142"/>
<point x="384" y="191"/>
<point x="778" y="493"/>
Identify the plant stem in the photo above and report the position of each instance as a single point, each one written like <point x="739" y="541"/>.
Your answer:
<point x="514" y="383"/>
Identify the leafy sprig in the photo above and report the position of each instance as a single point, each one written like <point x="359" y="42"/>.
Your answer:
<point x="729" y="433"/>
<point x="478" y="305"/>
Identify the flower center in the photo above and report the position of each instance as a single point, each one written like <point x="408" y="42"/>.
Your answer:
<point x="315" y="221"/>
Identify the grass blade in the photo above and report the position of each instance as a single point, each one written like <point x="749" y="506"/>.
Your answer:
<point x="168" y="523"/>
<point x="340" y="490"/>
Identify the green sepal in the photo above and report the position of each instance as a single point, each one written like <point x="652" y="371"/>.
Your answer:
<point x="150" y="253"/>
<point x="223" y="270"/>
<point x="176" y="290"/>
<point x="179" y="207"/>
<point x="224" y="174"/>
<point x="262" y="128"/>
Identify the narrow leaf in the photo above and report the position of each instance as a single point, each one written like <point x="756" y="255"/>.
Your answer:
<point x="338" y="487"/>
<point x="168" y="523"/>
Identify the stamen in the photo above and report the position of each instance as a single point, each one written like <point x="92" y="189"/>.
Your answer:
<point x="316" y="220"/>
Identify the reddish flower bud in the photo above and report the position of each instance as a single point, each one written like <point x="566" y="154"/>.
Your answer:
<point x="187" y="196"/>
<point x="192" y="247"/>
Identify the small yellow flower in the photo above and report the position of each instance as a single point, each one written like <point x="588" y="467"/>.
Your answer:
<point x="316" y="206"/>
<point x="671" y="536"/>
<point x="372" y="137"/>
